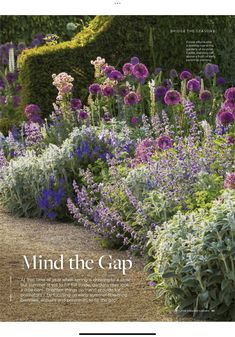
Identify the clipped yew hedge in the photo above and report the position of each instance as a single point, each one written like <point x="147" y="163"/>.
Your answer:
<point x="117" y="38"/>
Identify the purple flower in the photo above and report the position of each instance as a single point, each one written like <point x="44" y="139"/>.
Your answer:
<point x="132" y="98"/>
<point x="193" y="85"/>
<point x="185" y="75"/>
<point x="229" y="181"/>
<point x="18" y="88"/>
<point x="144" y="150"/>
<point x="16" y="101"/>
<point x="157" y="71"/>
<point x="211" y="70"/>
<point x="75" y="104"/>
<point x="127" y="68"/>
<point x="226" y="115"/>
<point x="205" y="95"/>
<point x="152" y="283"/>
<point x="82" y="114"/>
<point x="107" y="69"/>
<point x="115" y="75"/>
<point x="11" y="77"/>
<point x="94" y="88"/>
<point x="167" y="83"/>
<point x="107" y="91"/>
<point x="140" y="71"/>
<point x="32" y="112"/>
<point x="135" y="60"/>
<point x="135" y="120"/>
<point x="173" y="73"/>
<point x="230" y="140"/>
<point x="230" y="94"/>
<point x="164" y="142"/>
<point x="159" y="93"/>
<point x="220" y="81"/>
<point x="172" y="97"/>
<point x="229" y="104"/>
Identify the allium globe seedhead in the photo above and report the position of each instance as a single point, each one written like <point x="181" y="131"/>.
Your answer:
<point x="75" y="104"/>
<point x="164" y="142"/>
<point x="159" y="93"/>
<point x="205" y="95"/>
<point x="115" y="75"/>
<point x="185" y="75"/>
<point x="211" y="70"/>
<point x="226" y="115"/>
<point x="193" y="85"/>
<point x="107" y="91"/>
<point x="220" y="81"/>
<point x="229" y="181"/>
<point x="132" y="98"/>
<point x="140" y="71"/>
<point x="82" y="114"/>
<point x="230" y="94"/>
<point x="173" y="73"/>
<point x="172" y="97"/>
<point x="135" y="60"/>
<point x="94" y="89"/>
<point x="127" y="68"/>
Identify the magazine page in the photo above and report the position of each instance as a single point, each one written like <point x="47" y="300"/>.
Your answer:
<point x="117" y="172"/>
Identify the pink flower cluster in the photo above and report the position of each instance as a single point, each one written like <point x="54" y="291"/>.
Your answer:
<point x="63" y="83"/>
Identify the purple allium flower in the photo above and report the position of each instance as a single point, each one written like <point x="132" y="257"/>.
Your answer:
<point x="220" y="81"/>
<point x="173" y="73"/>
<point x="135" y="60"/>
<point x="172" y="97"/>
<point x="164" y="142"/>
<point x="229" y="104"/>
<point x="94" y="88"/>
<point x="205" y="95"/>
<point x="11" y="77"/>
<point x="230" y="94"/>
<point x="16" y="101"/>
<point x="107" y="69"/>
<point x="140" y="71"/>
<point x="132" y="98"/>
<point x="127" y="68"/>
<point x="75" y="104"/>
<point x="230" y="140"/>
<point x="123" y="90"/>
<point x="82" y="114"/>
<point x="107" y="91"/>
<point x="115" y="75"/>
<point x="211" y="70"/>
<point x="193" y="85"/>
<point x="185" y="75"/>
<point x="229" y="181"/>
<point x="159" y="93"/>
<point x="32" y="113"/>
<point x="226" y="115"/>
<point x="135" y="120"/>
<point x="157" y="71"/>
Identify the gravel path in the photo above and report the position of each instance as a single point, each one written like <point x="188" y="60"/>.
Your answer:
<point x="29" y="237"/>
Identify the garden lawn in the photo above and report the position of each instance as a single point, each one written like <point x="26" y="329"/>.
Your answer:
<point x="20" y="237"/>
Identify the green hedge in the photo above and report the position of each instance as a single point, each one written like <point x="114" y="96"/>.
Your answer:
<point x="117" y="38"/>
<point x="23" y="28"/>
